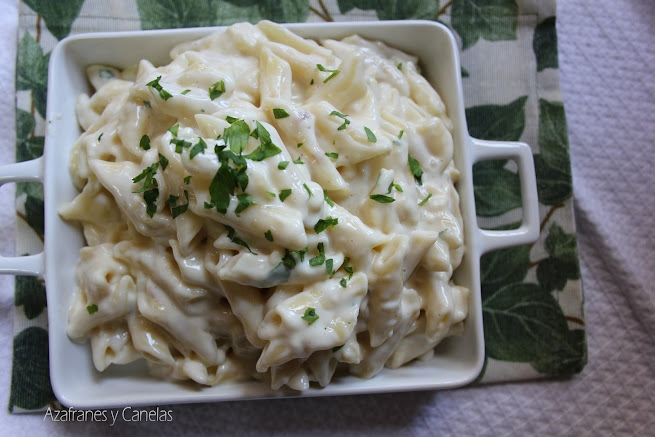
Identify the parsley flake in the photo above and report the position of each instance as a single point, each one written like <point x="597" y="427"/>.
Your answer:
<point x="100" y="136"/>
<point x="298" y="160"/>
<point x="163" y="161"/>
<point x="422" y="202"/>
<point x="216" y="90"/>
<point x="280" y="113"/>
<point x="400" y="66"/>
<point x="93" y="308"/>
<point x="187" y="179"/>
<point x="288" y="260"/>
<point x="180" y="144"/>
<point x="327" y="198"/>
<point x="185" y="92"/>
<point x="370" y="135"/>
<point x="382" y="198"/>
<point x="299" y="145"/>
<point x="266" y="149"/>
<point x="346" y="121"/>
<point x="174" y="129"/>
<point x="144" y="143"/>
<point x="282" y="165"/>
<point x="329" y="266"/>
<point x="415" y="168"/>
<point x="231" y="234"/>
<point x="332" y="155"/>
<point x="323" y="224"/>
<point x="269" y="235"/>
<point x="400" y="135"/>
<point x="230" y="119"/>
<point x="284" y="194"/>
<point x="308" y="190"/>
<point x="245" y="201"/>
<point x="343" y="282"/>
<point x="310" y="315"/>
<point x="236" y="136"/>
<point x="165" y="95"/>
<point x="199" y="147"/>
<point x="320" y="258"/>
<point x="323" y="69"/>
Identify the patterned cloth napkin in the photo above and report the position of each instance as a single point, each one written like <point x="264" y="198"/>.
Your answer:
<point x="532" y="297"/>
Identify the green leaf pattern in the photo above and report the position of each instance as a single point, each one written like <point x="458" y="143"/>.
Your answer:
<point x="523" y="320"/>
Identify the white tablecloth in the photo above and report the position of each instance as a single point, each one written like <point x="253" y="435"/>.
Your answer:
<point x="607" y="57"/>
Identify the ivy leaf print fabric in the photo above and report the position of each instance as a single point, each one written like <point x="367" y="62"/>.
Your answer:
<point x="532" y="296"/>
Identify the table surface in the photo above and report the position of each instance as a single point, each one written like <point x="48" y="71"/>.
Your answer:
<point x="607" y="55"/>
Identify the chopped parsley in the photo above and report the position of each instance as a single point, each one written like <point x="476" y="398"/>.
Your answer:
<point x="400" y="66"/>
<point x="180" y="144"/>
<point x="396" y="186"/>
<point x="332" y="155"/>
<point x="231" y="234"/>
<point x="284" y="194"/>
<point x="370" y="135"/>
<point x="174" y="129"/>
<point x="288" y="260"/>
<point x="327" y="198"/>
<point x="310" y="315"/>
<point x="346" y="121"/>
<point x="230" y="119"/>
<point x="311" y="82"/>
<point x="308" y="190"/>
<point x="165" y="95"/>
<point x="323" y="69"/>
<point x="280" y="113"/>
<point x="216" y="90"/>
<point x="415" y="168"/>
<point x="236" y="136"/>
<point x="329" y="266"/>
<point x="282" y="165"/>
<point x="144" y="143"/>
<point x="298" y="160"/>
<point x="163" y="161"/>
<point x="186" y="91"/>
<point x="187" y="179"/>
<point x="343" y="282"/>
<point x="150" y="198"/>
<point x="179" y="209"/>
<point x="400" y="135"/>
<point x="323" y="224"/>
<point x="199" y="147"/>
<point x="382" y="198"/>
<point x="347" y="267"/>
<point x="301" y="253"/>
<point x="266" y="149"/>
<point x="422" y="202"/>
<point x="320" y="258"/>
<point x="147" y="176"/>
<point x="222" y="187"/>
<point x="100" y="136"/>
<point x="299" y="145"/>
<point x="245" y="201"/>
<point x="269" y="235"/>
<point x="93" y="308"/>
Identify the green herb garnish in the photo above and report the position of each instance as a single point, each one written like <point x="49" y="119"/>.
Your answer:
<point x="163" y="161"/>
<point x="343" y="282"/>
<point x="308" y="190"/>
<point x="284" y="194"/>
<point x="322" y="68"/>
<point x="415" y="168"/>
<point x="298" y="160"/>
<point x="282" y="165"/>
<point x="370" y="135"/>
<point x="236" y="136"/>
<point x="280" y="113"/>
<point x="332" y="155"/>
<point x="100" y="137"/>
<point x="231" y="234"/>
<point x="186" y="91"/>
<point x="165" y="95"/>
<point x="346" y="121"/>
<point x="329" y="266"/>
<point x="400" y="66"/>
<point x="199" y="147"/>
<point x="147" y="175"/>
<point x="381" y="198"/>
<point x="216" y="90"/>
<point x="180" y="144"/>
<point x="310" y="315"/>
<point x="174" y="129"/>
<point x="93" y="308"/>
<point x="269" y="235"/>
<point x="422" y="202"/>
<point x="288" y="260"/>
<point x="144" y="143"/>
<point x="266" y="149"/>
<point x="245" y="201"/>
<point x="327" y="198"/>
<point x="323" y="224"/>
<point x="320" y="258"/>
<point x="187" y="179"/>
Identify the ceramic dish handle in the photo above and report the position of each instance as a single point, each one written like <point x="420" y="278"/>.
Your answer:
<point x="528" y="232"/>
<point x="27" y="171"/>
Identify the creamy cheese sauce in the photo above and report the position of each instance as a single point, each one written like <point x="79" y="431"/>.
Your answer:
<point x="266" y="207"/>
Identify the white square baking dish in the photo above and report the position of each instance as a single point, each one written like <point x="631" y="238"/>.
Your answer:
<point x="75" y="381"/>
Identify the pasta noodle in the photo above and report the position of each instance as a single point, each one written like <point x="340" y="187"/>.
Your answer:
<point x="266" y="207"/>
